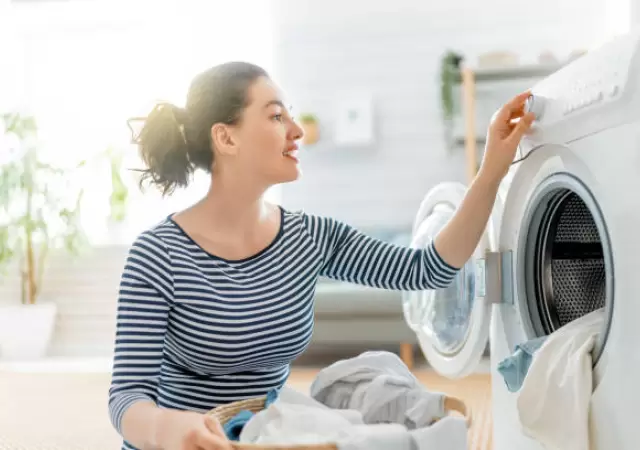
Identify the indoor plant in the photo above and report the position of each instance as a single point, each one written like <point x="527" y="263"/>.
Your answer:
<point x="449" y="74"/>
<point x="39" y="213"/>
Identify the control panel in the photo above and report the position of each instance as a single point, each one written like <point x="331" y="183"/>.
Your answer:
<point x="600" y="79"/>
<point x="574" y="101"/>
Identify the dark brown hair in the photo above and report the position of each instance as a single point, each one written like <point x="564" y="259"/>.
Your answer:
<point x="174" y="142"/>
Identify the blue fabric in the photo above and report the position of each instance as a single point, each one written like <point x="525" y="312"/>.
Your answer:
<point x="515" y="367"/>
<point x="234" y="426"/>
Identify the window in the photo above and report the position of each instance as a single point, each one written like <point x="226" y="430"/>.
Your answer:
<point x="88" y="66"/>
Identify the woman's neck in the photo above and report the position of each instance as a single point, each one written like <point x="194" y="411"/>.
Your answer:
<point x="235" y="205"/>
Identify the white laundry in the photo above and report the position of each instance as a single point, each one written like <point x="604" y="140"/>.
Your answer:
<point x="553" y="403"/>
<point x="381" y="387"/>
<point x="295" y="419"/>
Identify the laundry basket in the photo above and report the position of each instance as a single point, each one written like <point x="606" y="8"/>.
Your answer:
<point x="224" y="413"/>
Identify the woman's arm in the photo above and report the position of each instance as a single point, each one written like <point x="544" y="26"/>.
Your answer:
<point x="146" y="288"/>
<point x="145" y="298"/>
<point x="349" y="255"/>
<point x="459" y="238"/>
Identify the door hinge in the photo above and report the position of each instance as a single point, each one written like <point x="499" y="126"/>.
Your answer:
<point x="494" y="277"/>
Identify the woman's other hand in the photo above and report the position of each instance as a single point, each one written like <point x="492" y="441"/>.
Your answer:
<point x="186" y="430"/>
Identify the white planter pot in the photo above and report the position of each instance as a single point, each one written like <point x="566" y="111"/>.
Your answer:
<point x="26" y="330"/>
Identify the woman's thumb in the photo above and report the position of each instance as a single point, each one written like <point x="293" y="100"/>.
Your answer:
<point x="213" y="425"/>
<point x="522" y="127"/>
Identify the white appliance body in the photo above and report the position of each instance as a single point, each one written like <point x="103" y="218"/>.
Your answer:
<point x="584" y="150"/>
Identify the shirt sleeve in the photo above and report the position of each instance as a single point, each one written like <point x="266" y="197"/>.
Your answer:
<point x="349" y="255"/>
<point x="145" y="296"/>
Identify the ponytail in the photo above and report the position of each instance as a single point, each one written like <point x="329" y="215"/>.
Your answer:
<point x="163" y="147"/>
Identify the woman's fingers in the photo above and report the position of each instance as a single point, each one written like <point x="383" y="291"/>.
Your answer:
<point x="521" y="128"/>
<point x="513" y="108"/>
<point x="209" y="441"/>
<point x="214" y="426"/>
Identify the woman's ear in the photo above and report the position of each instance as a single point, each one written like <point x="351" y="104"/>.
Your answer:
<point x="223" y="139"/>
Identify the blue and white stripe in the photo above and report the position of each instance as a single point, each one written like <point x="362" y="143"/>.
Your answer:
<point x="195" y="330"/>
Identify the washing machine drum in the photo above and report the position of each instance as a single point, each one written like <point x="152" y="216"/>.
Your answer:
<point x="566" y="274"/>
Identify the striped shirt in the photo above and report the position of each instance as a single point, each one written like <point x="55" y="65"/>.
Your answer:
<point x="195" y="330"/>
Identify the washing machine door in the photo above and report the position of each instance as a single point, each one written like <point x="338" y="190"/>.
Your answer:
<point x="452" y="324"/>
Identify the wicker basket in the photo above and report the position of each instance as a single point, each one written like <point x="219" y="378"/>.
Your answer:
<point x="225" y="412"/>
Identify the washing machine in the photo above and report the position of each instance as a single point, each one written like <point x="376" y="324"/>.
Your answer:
<point x="563" y="240"/>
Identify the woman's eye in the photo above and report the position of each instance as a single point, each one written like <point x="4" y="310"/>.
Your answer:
<point x="278" y="117"/>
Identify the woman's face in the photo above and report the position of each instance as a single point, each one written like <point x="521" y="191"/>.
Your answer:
<point x="265" y="137"/>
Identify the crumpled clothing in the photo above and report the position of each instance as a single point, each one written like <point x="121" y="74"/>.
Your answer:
<point x="234" y="426"/>
<point x="514" y="368"/>
<point x="553" y="403"/>
<point x="297" y="419"/>
<point x="381" y="387"/>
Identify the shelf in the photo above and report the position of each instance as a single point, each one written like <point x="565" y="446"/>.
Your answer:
<point x="484" y="74"/>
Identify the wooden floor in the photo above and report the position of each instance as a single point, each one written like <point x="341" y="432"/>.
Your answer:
<point x="55" y="411"/>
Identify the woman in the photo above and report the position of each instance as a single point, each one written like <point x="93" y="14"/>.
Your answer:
<point x="217" y="300"/>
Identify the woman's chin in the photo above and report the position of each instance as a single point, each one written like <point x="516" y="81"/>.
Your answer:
<point x="291" y="174"/>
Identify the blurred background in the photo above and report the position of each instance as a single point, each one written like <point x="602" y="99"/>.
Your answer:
<point x="395" y="97"/>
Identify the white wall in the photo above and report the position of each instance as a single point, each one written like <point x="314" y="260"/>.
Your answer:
<point x="10" y="56"/>
<point x="634" y="8"/>
<point x="394" y="49"/>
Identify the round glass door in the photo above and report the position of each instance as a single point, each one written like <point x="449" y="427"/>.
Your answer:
<point x="444" y="315"/>
<point x="452" y="324"/>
